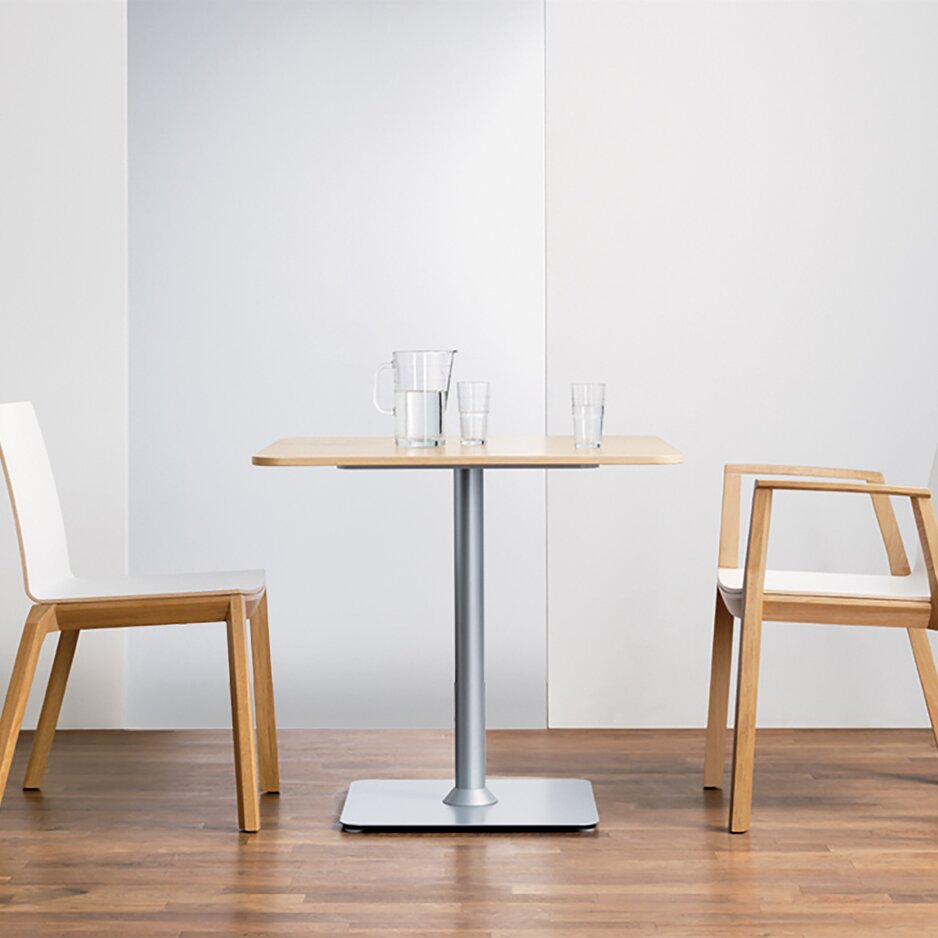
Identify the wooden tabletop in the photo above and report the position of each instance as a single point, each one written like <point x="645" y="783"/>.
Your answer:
<point x="532" y="451"/>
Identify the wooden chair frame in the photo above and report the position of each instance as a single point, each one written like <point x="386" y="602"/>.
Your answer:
<point x="70" y="618"/>
<point x="760" y="606"/>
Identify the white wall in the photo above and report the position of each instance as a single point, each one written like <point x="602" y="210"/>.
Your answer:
<point x="63" y="286"/>
<point x="313" y="185"/>
<point x="742" y="241"/>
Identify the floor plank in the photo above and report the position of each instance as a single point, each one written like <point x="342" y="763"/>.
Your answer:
<point x="134" y="834"/>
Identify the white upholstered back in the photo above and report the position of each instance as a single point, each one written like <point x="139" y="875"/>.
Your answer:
<point x="35" y="500"/>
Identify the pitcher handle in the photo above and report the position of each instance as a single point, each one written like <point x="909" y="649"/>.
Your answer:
<point x="383" y="410"/>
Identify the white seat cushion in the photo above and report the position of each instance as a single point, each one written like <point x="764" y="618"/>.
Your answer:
<point x="75" y="589"/>
<point x="866" y="585"/>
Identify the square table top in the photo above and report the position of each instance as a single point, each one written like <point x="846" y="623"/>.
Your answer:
<point x="378" y="452"/>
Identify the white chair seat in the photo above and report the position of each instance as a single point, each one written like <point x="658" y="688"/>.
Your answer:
<point x="83" y="589"/>
<point x="865" y="585"/>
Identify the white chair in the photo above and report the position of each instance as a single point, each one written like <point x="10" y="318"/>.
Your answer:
<point x="906" y="599"/>
<point x="67" y="604"/>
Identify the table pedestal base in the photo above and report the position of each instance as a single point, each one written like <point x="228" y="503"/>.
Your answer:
<point x="523" y="804"/>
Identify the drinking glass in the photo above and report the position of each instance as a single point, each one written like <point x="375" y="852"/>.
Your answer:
<point x="588" y="406"/>
<point x="473" y="411"/>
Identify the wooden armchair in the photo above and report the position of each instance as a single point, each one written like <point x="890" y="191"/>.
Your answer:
<point x="903" y="599"/>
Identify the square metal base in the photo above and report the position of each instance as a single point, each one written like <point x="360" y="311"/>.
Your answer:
<point x="543" y="804"/>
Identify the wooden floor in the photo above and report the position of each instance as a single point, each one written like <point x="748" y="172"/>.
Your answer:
<point x="134" y="834"/>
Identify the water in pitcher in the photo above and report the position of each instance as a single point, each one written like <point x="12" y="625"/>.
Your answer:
<point x="418" y="418"/>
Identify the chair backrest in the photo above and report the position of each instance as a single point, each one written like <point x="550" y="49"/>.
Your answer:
<point x="933" y="488"/>
<point x="35" y="500"/>
<point x="933" y="478"/>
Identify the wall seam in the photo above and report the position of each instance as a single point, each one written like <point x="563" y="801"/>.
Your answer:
<point x="125" y="708"/>
<point x="546" y="397"/>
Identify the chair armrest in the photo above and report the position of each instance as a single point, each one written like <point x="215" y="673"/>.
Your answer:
<point x="819" y="472"/>
<point x="866" y="482"/>
<point x="757" y="545"/>
<point x="862" y="488"/>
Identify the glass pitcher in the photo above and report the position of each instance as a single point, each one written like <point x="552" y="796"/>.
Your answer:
<point x="421" y="390"/>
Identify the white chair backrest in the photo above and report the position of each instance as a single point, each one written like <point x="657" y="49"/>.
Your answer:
<point x="36" y="508"/>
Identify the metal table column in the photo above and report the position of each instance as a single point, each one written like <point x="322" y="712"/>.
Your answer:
<point x="438" y="804"/>
<point x="468" y="550"/>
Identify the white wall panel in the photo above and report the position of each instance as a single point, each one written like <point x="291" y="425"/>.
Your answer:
<point x="742" y="241"/>
<point x="313" y="185"/>
<point x="63" y="313"/>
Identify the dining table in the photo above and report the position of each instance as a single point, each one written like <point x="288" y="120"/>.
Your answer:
<point x="470" y="800"/>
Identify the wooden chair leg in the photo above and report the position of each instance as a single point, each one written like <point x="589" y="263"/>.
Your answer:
<point x="51" y="707"/>
<point x="39" y="622"/>
<point x="268" y="758"/>
<point x="927" y="675"/>
<point x="744" y="734"/>
<point x="242" y="723"/>
<point x="720" y="665"/>
<point x="747" y="680"/>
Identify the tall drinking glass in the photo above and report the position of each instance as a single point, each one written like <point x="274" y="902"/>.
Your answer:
<point x="588" y="408"/>
<point x="473" y="411"/>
